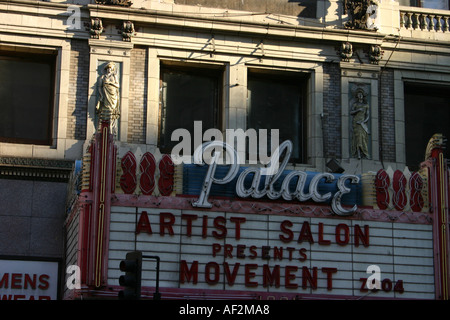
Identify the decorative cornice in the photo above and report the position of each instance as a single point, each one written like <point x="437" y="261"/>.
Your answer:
<point x="35" y="169"/>
<point x="226" y="25"/>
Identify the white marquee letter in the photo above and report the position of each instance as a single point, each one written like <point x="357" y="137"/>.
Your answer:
<point x="202" y="201"/>
<point x="336" y="205"/>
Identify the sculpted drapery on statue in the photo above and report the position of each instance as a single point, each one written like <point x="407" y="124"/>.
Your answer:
<point x="360" y="112"/>
<point x="108" y="103"/>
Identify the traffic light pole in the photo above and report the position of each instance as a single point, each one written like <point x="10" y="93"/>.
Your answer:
<point x="156" y="295"/>
<point x="131" y="280"/>
<point x="132" y="266"/>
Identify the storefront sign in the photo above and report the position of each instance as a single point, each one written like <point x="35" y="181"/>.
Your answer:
<point x="28" y="280"/>
<point x="259" y="188"/>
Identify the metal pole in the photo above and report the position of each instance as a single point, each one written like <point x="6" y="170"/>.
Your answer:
<point x="156" y="295"/>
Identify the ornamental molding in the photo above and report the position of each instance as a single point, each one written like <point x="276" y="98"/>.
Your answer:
<point x="127" y="31"/>
<point x="359" y="70"/>
<point x="375" y="54"/>
<point x="35" y="169"/>
<point x="187" y="21"/>
<point x="110" y="48"/>
<point x="268" y="208"/>
<point x="361" y="57"/>
<point x="36" y="162"/>
<point x="96" y="28"/>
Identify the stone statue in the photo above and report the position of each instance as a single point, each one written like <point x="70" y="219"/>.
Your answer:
<point x="108" y="103"/>
<point x="360" y="112"/>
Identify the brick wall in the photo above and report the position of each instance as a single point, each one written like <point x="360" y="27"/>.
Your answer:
<point x="387" y="115"/>
<point x="78" y="90"/>
<point x="332" y="110"/>
<point x="137" y="113"/>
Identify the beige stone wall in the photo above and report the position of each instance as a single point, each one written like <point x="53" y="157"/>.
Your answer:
<point x="235" y="39"/>
<point x="300" y="8"/>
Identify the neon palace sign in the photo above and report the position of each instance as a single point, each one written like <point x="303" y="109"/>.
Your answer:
<point x="272" y="181"/>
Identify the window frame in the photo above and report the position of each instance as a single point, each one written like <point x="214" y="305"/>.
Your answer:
<point x="423" y="89"/>
<point x="303" y="79"/>
<point x="50" y="57"/>
<point x="420" y="4"/>
<point x="212" y="71"/>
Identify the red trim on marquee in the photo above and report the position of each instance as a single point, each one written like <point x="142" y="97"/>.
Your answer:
<point x="167" y="171"/>
<point x="128" y="181"/>
<point x="440" y="198"/>
<point x="147" y="168"/>
<point x="211" y="294"/>
<point x="184" y="202"/>
<point x="94" y="215"/>
<point x="96" y="200"/>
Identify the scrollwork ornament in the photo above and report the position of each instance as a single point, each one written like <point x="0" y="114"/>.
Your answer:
<point x="127" y="31"/>
<point x="96" y="28"/>
<point x="362" y="14"/>
<point x="346" y="51"/>
<point x="375" y="54"/>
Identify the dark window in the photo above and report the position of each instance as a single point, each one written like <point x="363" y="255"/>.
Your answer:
<point x="427" y="111"/>
<point x="430" y="4"/>
<point x="410" y="3"/>
<point x="277" y="101"/>
<point x="188" y="95"/>
<point x="26" y="97"/>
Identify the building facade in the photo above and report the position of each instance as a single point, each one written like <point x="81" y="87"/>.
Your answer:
<point x="94" y="94"/>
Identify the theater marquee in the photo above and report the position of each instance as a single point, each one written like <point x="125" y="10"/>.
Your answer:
<point x="322" y="235"/>
<point x="278" y="255"/>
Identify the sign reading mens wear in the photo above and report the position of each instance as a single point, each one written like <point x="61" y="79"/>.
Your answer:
<point x="28" y="280"/>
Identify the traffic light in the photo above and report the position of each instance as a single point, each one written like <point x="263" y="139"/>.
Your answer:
<point x="131" y="281"/>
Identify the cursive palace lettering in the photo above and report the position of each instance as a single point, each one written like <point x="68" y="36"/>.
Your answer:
<point x="272" y="173"/>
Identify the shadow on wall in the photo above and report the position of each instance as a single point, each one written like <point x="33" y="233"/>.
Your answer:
<point x="300" y="8"/>
<point x="308" y="8"/>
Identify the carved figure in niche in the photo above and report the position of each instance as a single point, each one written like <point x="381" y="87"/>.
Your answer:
<point x="360" y="112"/>
<point x="360" y="12"/>
<point x="108" y="103"/>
